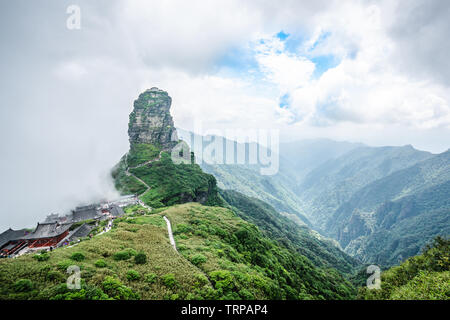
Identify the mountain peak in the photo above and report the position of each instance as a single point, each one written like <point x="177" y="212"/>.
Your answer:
<point x="151" y="121"/>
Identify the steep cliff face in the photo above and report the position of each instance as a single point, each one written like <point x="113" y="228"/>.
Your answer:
<point x="151" y="122"/>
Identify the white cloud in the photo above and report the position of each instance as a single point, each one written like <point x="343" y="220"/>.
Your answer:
<point x="189" y="35"/>
<point x="366" y="87"/>
<point x="70" y="70"/>
<point x="217" y="102"/>
<point x="287" y="70"/>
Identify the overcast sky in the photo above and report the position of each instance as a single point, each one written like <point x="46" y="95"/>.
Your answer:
<point x="376" y="72"/>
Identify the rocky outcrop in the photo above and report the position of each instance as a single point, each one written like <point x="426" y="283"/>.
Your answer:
<point x="151" y="122"/>
<point x="153" y="167"/>
<point x="357" y="226"/>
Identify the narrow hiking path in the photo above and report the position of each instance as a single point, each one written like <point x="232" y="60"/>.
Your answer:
<point x="107" y="228"/>
<point x="169" y="226"/>
<point x="128" y="173"/>
<point x="149" y="161"/>
<point x="172" y="242"/>
<point x="169" y="230"/>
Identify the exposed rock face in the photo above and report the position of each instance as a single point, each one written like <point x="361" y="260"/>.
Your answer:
<point x="161" y="178"/>
<point x="356" y="227"/>
<point x="151" y="122"/>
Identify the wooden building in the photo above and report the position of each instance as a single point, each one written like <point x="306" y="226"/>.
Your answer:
<point x="47" y="234"/>
<point x="11" y="241"/>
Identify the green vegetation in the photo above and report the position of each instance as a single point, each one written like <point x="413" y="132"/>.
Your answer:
<point x="176" y="183"/>
<point x="23" y="285"/>
<point x="276" y="190"/>
<point x="330" y="185"/>
<point x="140" y="258"/>
<point x="140" y="153"/>
<point x="42" y="256"/>
<point x="146" y="101"/>
<point x="100" y="263"/>
<point x="136" y="210"/>
<point x="382" y="204"/>
<point x="242" y="263"/>
<point x="422" y="277"/>
<point x="116" y="290"/>
<point x="122" y="255"/>
<point x="124" y="183"/>
<point x="151" y="278"/>
<point x="170" y="183"/>
<point x="110" y="281"/>
<point x="198" y="259"/>
<point x="286" y="233"/>
<point x="234" y="260"/>
<point x="392" y="218"/>
<point x="133" y="275"/>
<point x="77" y="256"/>
<point x="169" y="280"/>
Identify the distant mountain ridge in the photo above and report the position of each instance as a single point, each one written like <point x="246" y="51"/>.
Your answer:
<point x="276" y="190"/>
<point x="305" y="155"/>
<point x="329" y="185"/>
<point x="382" y="204"/>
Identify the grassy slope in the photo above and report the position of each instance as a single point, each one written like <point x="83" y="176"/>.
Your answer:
<point x="426" y="276"/>
<point x="176" y="183"/>
<point x="150" y="238"/>
<point x="256" y="266"/>
<point x="141" y="152"/>
<point x="170" y="183"/>
<point x="221" y="256"/>
<point x="126" y="184"/>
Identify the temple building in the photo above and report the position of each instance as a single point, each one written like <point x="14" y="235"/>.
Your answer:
<point x="10" y="241"/>
<point x="56" y="230"/>
<point x="47" y="235"/>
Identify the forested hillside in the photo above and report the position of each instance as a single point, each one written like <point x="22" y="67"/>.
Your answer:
<point x="330" y="185"/>
<point x="277" y="190"/>
<point x="392" y="218"/>
<point x="322" y="252"/>
<point x="381" y="203"/>
<point x="422" y="277"/>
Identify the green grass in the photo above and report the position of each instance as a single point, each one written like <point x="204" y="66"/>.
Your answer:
<point x="170" y="183"/>
<point x="147" y="238"/>
<point x="241" y="263"/>
<point x="126" y="184"/>
<point x="176" y="183"/>
<point x="422" y="277"/>
<point x="140" y="153"/>
<point x="233" y="261"/>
